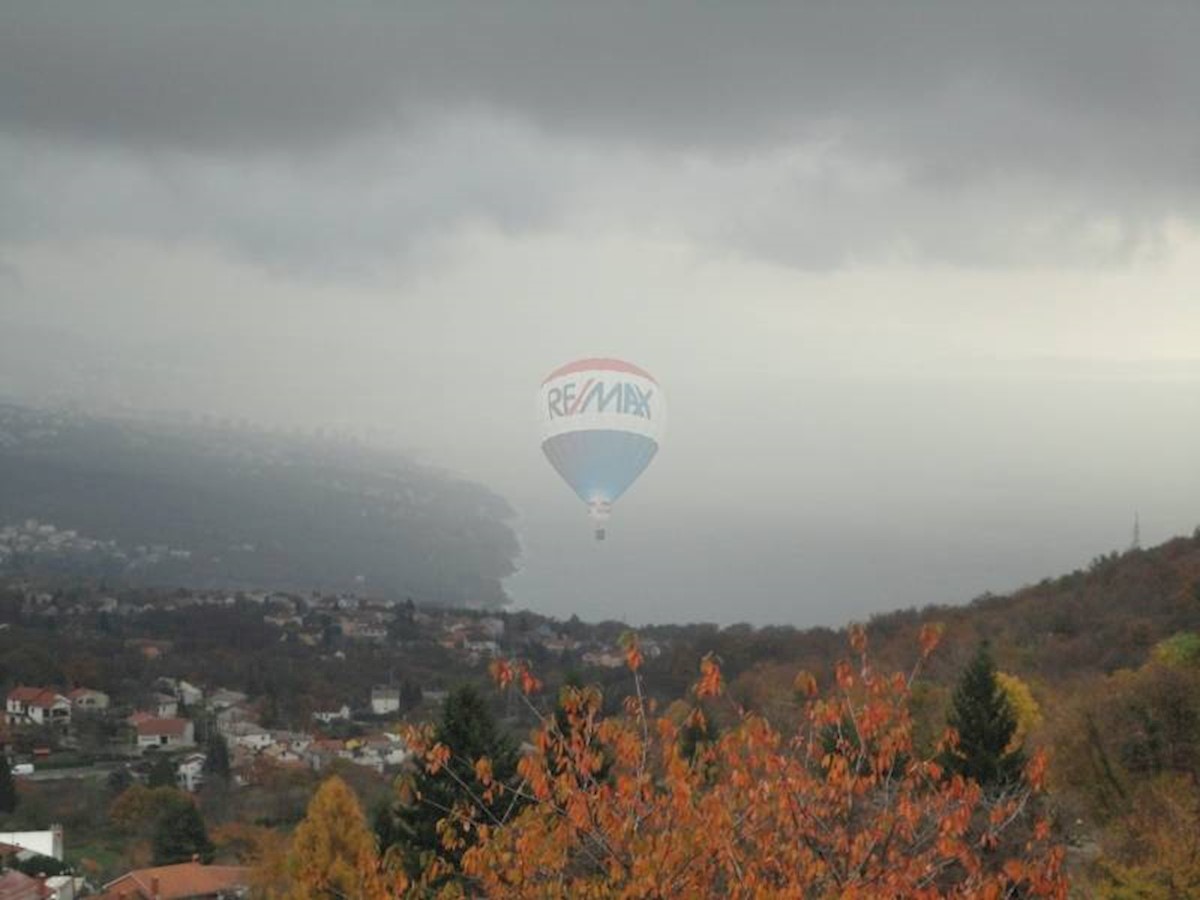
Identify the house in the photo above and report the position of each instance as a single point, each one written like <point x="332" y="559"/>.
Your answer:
<point x="183" y="881"/>
<point x="385" y="700"/>
<point x="64" y="887"/>
<point x="16" y="885"/>
<point x="36" y="843"/>
<point x="189" y="775"/>
<point x="188" y="694"/>
<point x="185" y="693"/>
<point x="165" y="706"/>
<point x="165" y="733"/>
<point x="38" y="706"/>
<point x="87" y="700"/>
<point x="250" y="735"/>
<point x="223" y="698"/>
<point x="328" y="717"/>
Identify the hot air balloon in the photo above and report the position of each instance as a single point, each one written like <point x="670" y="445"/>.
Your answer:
<point x="602" y="420"/>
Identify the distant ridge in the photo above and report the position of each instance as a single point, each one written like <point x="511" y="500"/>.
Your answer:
<point x="213" y="506"/>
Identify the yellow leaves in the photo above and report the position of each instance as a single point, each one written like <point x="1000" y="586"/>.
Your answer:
<point x="931" y="636"/>
<point x="805" y="684"/>
<point x="1025" y="708"/>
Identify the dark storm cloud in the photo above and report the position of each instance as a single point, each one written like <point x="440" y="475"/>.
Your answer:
<point x="815" y="135"/>
<point x="963" y="86"/>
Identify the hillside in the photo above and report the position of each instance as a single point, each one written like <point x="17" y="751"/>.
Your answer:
<point x="206" y="506"/>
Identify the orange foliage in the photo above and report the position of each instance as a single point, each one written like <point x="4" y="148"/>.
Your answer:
<point x="843" y="807"/>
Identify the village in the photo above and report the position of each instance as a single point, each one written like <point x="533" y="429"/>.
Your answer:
<point x="180" y="728"/>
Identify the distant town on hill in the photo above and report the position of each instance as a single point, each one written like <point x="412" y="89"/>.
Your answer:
<point x="215" y="506"/>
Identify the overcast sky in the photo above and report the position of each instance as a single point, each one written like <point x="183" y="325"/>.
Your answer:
<point x="922" y="281"/>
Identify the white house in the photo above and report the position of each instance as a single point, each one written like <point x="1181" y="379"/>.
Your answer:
<point x="87" y="700"/>
<point x="385" y="700"/>
<point x="249" y="735"/>
<point x="38" y="843"/>
<point x="190" y="773"/>
<point x="335" y="715"/>
<point x="165" y="706"/>
<point x="188" y="694"/>
<point x="39" y="706"/>
<point x="165" y="733"/>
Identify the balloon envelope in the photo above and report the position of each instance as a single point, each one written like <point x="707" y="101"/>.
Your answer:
<point x="602" y="420"/>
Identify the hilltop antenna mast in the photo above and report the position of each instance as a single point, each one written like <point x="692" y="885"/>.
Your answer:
<point x="1137" y="532"/>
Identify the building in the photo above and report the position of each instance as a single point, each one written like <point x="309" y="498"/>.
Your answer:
<point x="188" y="694"/>
<point x="184" y="881"/>
<point x="165" y="706"/>
<point x="167" y="733"/>
<point x="37" y="706"/>
<point x="16" y="885"/>
<point x="87" y="700"/>
<point x="189" y="775"/>
<point x="385" y="700"/>
<point x="36" y="843"/>
<point x="250" y="735"/>
<point x="327" y="717"/>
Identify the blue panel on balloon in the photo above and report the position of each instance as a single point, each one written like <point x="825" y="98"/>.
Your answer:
<point x="599" y="464"/>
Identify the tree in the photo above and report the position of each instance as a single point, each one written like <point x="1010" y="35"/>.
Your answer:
<point x="982" y="717"/>
<point x="180" y="834"/>
<point x="216" y="755"/>
<point x="8" y="787"/>
<point x="757" y="813"/>
<point x="469" y="733"/>
<point x="333" y="852"/>
<point x="162" y="772"/>
<point x="138" y="809"/>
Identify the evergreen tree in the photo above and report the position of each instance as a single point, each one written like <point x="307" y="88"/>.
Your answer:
<point x="8" y="787"/>
<point x="181" y="834"/>
<point x="985" y="722"/>
<point x="468" y="729"/>
<point x="216" y="755"/>
<point x="162" y="773"/>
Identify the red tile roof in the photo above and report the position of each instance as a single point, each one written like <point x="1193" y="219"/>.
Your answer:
<point x="16" y="885"/>
<point x="180" y="881"/>
<point x="34" y="696"/>
<point x="172" y="727"/>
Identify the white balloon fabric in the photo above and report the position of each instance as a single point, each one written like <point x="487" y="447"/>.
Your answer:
<point x="602" y="421"/>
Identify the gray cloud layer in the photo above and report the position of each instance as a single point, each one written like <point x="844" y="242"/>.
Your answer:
<point x="814" y="135"/>
<point x="918" y="277"/>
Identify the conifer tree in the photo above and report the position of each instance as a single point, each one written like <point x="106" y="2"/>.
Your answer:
<point x="216" y="755"/>
<point x="8" y="787"/>
<point x="469" y="731"/>
<point x="986" y="723"/>
<point x="181" y="835"/>
<point x="162" y="772"/>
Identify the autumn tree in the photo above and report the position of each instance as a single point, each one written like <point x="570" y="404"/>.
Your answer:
<point x="333" y="853"/>
<point x="985" y="723"/>
<point x="844" y="806"/>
